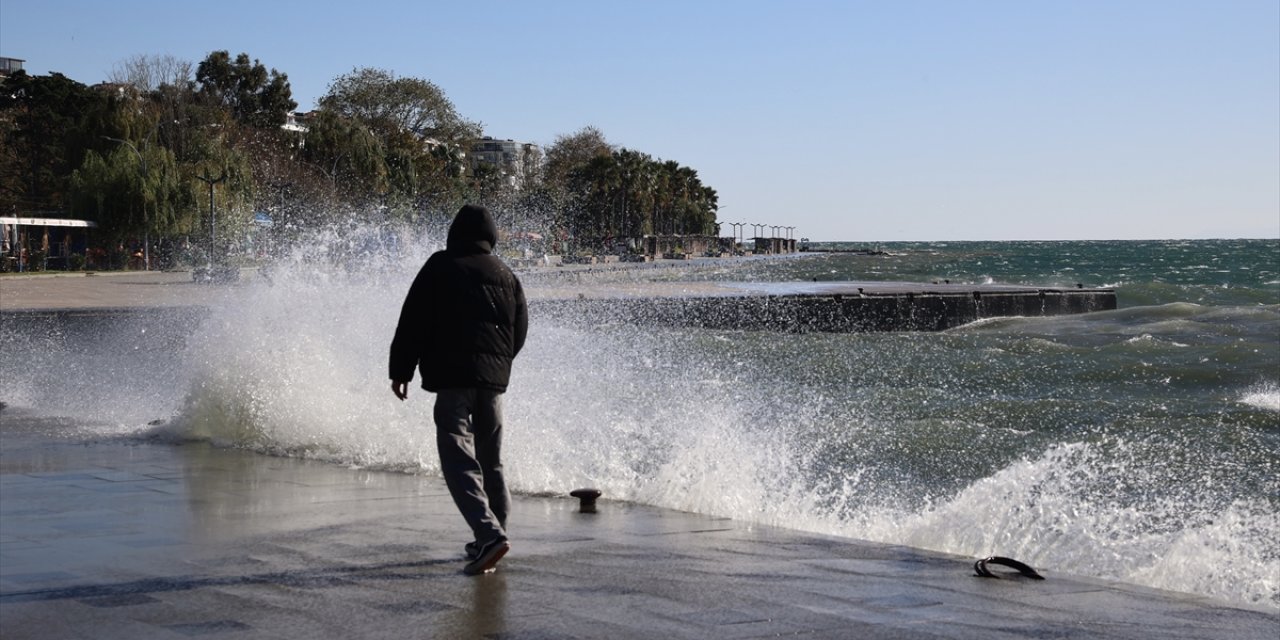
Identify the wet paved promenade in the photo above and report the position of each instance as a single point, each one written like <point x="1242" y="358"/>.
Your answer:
<point x="127" y="540"/>
<point x="109" y="290"/>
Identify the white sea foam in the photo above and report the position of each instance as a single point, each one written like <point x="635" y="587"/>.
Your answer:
<point x="1055" y="513"/>
<point x="298" y="365"/>
<point x="982" y="323"/>
<point x="1263" y="396"/>
<point x="1147" y="338"/>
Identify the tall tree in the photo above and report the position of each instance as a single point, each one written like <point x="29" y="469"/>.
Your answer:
<point x="420" y="136"/>
<point x="636" y="190"/>
<point x="626" y="193"/>
<point x="135" y="186"/>
<point x="348" y="154"/>
<point x="566" y="180"/>
<point x="46" y="139"/>
<point x="148" y="73"/>
<point x="388" y="105"/>
<point x="569" y="152"/>
<point x="255" y="96"/>
<point x="133" y="193"/>
<point x="233" y="189"/>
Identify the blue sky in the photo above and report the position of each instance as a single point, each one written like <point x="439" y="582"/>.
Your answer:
<point x="855" y="120"/>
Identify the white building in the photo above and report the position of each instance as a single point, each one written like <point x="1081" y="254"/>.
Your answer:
<point x="516" y="161"/>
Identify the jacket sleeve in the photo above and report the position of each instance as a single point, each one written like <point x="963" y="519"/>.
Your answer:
<point x="522" y="319"/>
<point x="412" y="329"/>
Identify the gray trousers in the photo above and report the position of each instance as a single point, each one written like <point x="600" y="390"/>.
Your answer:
<point x="469" y="438"/>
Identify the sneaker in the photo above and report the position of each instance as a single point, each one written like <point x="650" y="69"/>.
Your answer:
<point x="472" y="549"/>
<point x="488" y="557"/>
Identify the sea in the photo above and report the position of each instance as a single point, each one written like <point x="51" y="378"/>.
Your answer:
<point x="1139" y="445"/>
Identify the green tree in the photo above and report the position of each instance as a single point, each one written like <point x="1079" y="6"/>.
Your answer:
<point x="133" y="192"/>
<point x="636" y="191"/>
<point x="567" y="185"/>
<point x="442" y="186"/>
<point x="569" y="152"/>
<point x="623" y="194"/>
<point x="46" y="137"/>
<point x="390" y="105"/>
<point x="254" y="96"/>
<point x="233" y="189"/>
<point x="183" y="121"/>
<point x="348" y="154"/>
<point x="419" y="133"/>
<point x="101" y="191"/>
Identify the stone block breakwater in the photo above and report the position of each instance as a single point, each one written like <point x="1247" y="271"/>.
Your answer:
<point x="840" y="307"/>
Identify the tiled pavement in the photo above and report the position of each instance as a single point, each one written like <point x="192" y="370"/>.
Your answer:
<point x="113" y="539"/>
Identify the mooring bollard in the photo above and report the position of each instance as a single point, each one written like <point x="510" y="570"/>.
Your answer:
<point x="586" y="498"/>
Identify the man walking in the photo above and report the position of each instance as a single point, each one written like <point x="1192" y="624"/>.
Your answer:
<point x="462" y="324"/>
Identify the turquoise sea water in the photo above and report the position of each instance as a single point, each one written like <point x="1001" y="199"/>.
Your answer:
<point x="1141" y="444"/>
<point x="1208" y="272"/>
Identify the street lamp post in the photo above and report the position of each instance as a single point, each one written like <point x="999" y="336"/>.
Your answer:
<point x="736" y="227"/>
<point x="213" y="232"/>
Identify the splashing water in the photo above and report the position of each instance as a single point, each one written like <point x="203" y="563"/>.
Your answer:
<point x="1265" y="396"/>
<point x="1139" y="445"/>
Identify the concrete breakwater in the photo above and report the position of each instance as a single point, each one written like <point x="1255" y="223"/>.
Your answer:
<point x="577" y="296"/>
<point x="843" y="307"/>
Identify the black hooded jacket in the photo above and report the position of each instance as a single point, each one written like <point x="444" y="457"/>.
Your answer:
<point x="465" y="317"/>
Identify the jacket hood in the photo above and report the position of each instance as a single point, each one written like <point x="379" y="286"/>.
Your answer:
<point x="472" y="231"/>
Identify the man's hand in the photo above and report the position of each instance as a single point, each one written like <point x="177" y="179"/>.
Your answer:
<point x="401" y="389"/>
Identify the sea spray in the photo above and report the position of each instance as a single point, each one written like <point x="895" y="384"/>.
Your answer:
<point x="1081" y="511"/>
<point x="298" y="365"/>
<point x="1263" y="396"/>
<point x="112" y="371"/>
<point x="622" y="409"/>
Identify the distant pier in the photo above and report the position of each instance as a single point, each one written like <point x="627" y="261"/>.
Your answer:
<point x="860" y="252"/>
<point x="841" y="307"/>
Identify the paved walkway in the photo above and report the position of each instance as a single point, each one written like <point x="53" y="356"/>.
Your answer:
<point x="115" y="290"/>
<point x="61" y="291"/>
<point x="128" y="540"/>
